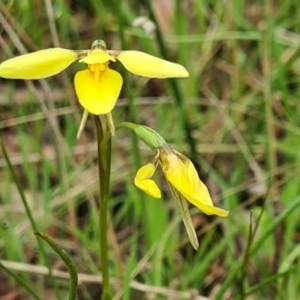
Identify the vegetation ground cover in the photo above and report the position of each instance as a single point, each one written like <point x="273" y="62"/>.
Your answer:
<point x="241" y="104"/>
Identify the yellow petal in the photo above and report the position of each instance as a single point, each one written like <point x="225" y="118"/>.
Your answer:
<point x="142" y="180"/>
<point x="181" y="173"/>
<point x="98" y="91"/>
<point x="150" y="66"/>
<point x="97" y="57"/>
<point x="39" y="64"/>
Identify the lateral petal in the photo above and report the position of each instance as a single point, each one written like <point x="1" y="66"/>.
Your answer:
<point x="143" y="64"/>
<point x="37" y="65"/>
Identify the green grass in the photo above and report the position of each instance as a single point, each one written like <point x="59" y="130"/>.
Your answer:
<point x="236" y="116"/>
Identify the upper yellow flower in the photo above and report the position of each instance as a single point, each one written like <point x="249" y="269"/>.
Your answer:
<point x="98" y="87"/>
<point x="182" y="175"/>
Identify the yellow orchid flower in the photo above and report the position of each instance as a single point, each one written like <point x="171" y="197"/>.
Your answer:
<point x="181" y="175"/>
<point x="184" y="183"/>
<point x="98" y="87"/>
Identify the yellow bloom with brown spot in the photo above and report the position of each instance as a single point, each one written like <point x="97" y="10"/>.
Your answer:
<point x="182" y="175"/>
<point x="98" y="87"/>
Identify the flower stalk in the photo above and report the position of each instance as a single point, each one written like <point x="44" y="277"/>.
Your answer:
<point x="104" y="165"/>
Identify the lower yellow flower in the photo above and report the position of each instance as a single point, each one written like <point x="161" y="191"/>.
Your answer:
<point x="182" y="175"/>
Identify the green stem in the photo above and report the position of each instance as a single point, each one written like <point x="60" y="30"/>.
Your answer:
<point x="31" y="219"/>
<point x="246" y="259"/>
<point x="68" y="262"/>
<point x="104" y="163"/>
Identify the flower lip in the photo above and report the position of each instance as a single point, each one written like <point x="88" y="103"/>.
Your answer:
<point x="98" y="91"/>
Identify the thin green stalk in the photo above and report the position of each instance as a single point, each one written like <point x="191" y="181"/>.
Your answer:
<point x="247" y="257"/>
<point x="20" y="281"/>
<point x="31" y="219"/>
<point x="68" y="262"/>
<point x="104" y="163"/>
<point x="267" y="72"/>
<point x="271" y="135"/>
<point x="256" y="246"/>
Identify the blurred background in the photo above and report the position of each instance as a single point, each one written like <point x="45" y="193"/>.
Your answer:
<point x="236" y="116"/>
